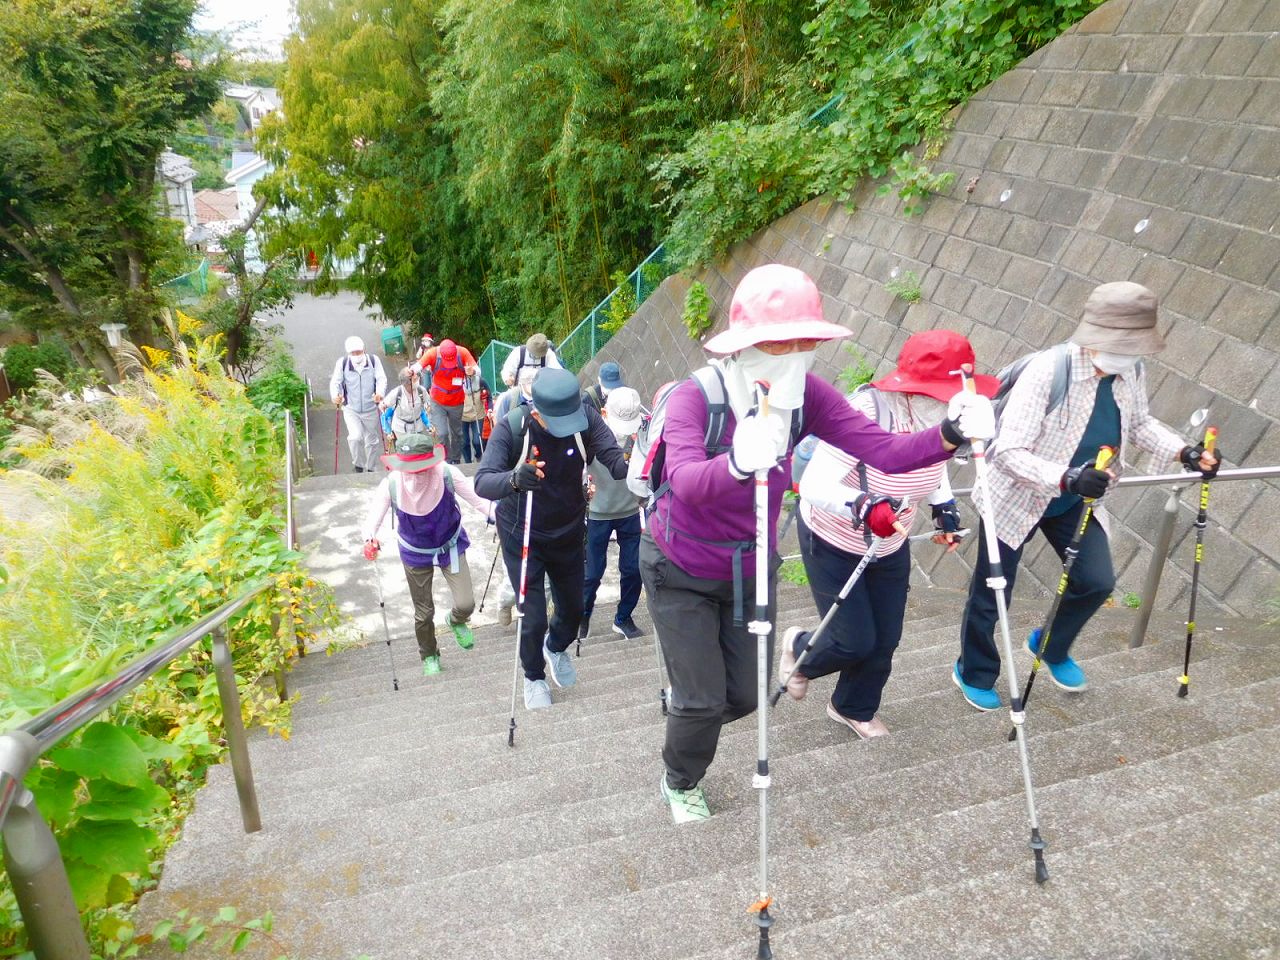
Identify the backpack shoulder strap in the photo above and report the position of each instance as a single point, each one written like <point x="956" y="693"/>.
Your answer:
<point x="518" y="422"/>
<point x="710" y="381"/>
<point x="1061" y="376"/>
<point x="883" y="412"/>
<point x="448" y="479"/>
<point x="393" y="488"/>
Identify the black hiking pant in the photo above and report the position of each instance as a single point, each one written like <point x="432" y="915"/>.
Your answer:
<point x="562" y="562"/>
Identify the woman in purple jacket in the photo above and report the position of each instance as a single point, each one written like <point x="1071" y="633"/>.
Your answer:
<point x="701" y="534"/>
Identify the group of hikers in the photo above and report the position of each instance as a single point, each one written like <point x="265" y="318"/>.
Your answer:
<point x="565" y="470"/>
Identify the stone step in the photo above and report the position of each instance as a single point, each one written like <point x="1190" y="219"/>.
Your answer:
<point x="586" y="880"/>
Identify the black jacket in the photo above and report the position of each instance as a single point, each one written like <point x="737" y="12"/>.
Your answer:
<point x="559" y="504"/>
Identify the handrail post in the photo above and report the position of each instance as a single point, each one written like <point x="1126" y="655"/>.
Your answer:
<point x="1159" y="555"/>
<point x="233" y="724"/>
<point x="282" y="685"/>
<point x="40" y="884"/>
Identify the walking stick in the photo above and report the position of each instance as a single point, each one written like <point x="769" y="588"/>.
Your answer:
<point x="996" y="583"/>
<point x="1039" y="639"/>
<point x="519" y="617"/>
<point x="492" y="567"/>
<point x="761" y="627"/>
<point x="337" y="435"/>
<point x="1184" y="681"/>
<point x="386" y="630"/>
<point x="657" y="645"/>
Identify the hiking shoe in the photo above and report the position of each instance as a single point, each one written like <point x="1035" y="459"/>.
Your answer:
<point x="981" y="698"/>
<point x="359" y="469"/>
<point x="504" y="615"/>
<point x="687" y="806"/>
<point x="537" y="695"/>
<point x="797" y="683"/>
<point x="462" y="633"/>
<point x="865" y="729"/>
<point x="628" y="629"/>
<point x="559" y="667"/>
<point x="431" y="666"/>
<point x="584" y="628"/>
<point x="1067" y="674"/>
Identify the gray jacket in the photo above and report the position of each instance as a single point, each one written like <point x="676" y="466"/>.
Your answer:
<point x="357" y="387"/>
<point x="613" y="500"/>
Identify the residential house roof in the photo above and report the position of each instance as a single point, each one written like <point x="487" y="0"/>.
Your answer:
<point x="213" y="206"/>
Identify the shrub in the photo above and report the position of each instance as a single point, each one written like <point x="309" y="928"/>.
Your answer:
<point x="21" y="361"/>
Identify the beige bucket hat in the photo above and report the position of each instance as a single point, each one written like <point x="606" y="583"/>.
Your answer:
<point x="1120" y="318"/>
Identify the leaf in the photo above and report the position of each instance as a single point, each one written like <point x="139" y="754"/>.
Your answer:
<point x="104" y="751"/>
<point x="113" y="846"/>
<point x="111" y="801"/>
<point x="55" y="792"/>
<point x="119" y="890"/>
<point x="88" y="883"/>
<point x="153" y="748"/>
<point x="241" y="940"/>
<point x="161" y="929"/>
<point x="227" y="914"/>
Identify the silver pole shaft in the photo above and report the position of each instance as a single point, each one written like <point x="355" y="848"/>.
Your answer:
<point x="40" y="884"/>
<point x="761" y="626"/>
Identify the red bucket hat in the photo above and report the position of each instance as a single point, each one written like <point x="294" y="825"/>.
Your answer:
<point x="927" y="363"/>
<point x="774" y="302"/>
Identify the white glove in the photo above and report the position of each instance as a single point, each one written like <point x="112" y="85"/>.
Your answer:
<point x="972" y="415"/>
<point x="756" y="445"/>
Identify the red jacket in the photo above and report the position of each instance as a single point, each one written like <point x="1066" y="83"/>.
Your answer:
<point x="447" y="376"/>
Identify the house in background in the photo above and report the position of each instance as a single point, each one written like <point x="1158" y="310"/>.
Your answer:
<point x="217" y="214"/>
<point x="175" y="175"/>
<point x="246" y="170"/>
<point x="257" y="102"/>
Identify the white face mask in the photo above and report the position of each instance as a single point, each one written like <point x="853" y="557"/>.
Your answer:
<point x="359" y="360"/>
<point x="785" y="376"/>
<point x="1111" y="363"/>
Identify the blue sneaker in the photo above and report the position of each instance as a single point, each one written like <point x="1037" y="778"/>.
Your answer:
<point x="560" y="667"/>
<point x="1067" y="674"/>
<point x="984" y="699"/>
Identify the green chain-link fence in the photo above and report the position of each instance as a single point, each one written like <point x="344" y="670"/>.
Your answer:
<point x="192" y="284"/>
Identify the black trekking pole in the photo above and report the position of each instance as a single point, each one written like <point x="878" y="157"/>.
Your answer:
<point x="996" y="582"/>
<point x="386" y="630"/>
<point x="657" y="644"/>
<point x="492" y="567"/>
<point x="1184" y="681"/>
<point x="519" y="613"/>
<point x="1039" y="639"/>
<point x="761" y="627"/>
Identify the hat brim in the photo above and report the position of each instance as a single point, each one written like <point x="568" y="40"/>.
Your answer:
<point x="565" y="425"/>
<point x="624" y="428"/>
<point x="739" y="338"/>
<point x="612" y="384"/>
<point x="414" y="462"/>
<point x="944" y="390"/>
<point x="1144" y="342"/>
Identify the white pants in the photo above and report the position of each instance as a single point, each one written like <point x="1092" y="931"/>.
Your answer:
<point x="364" y="437"/>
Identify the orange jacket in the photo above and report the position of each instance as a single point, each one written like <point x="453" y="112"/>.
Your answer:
<point x="446" y="377"/>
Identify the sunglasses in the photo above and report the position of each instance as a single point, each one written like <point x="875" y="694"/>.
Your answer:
<point x="779" y="348"/>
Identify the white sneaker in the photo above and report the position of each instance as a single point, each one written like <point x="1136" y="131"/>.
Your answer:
<point x="537" y="695"/>
<point x="560" y="667"/>
<point x="504" y="615"/>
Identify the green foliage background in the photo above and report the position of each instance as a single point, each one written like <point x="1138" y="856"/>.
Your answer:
<point x="136" y="516"/>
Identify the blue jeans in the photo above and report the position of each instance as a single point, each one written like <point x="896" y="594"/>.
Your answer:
<point x="628" y="563"/>
<point x="1091" y="583"/>
<point x="864" y="633"/>
<point x="471" y="440"/>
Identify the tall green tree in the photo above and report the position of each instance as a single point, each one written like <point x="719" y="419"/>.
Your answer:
<point x="90" y="93"/>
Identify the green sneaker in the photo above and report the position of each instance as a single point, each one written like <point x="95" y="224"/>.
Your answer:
<point x="431" y="666"/>
<point x="687" y="806"/>
<point x="462" y="633"/>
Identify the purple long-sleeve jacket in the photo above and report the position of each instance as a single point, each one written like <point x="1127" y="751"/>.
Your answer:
<point x="706" y="503"/>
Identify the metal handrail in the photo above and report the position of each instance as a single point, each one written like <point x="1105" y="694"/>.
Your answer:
<point x="306" y="422"/>
<point x="1157" y="479"/>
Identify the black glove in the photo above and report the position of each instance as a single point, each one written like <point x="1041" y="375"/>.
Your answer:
<point x="525" y="477"/>
<point x="1190" y="457"/>
<point x="1086" y="481"/>
<point x="946" y="516"/>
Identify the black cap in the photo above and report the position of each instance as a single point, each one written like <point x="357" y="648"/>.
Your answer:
<point x="557" y="399"/>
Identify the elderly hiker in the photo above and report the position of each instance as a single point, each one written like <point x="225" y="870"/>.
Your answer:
<point x="608" y="379"/>
<point x="404" y="409"/>
<point x="614" y="510"/>
<point x="544" y="448"/>
<point x="424" y="492"/>
<point x="702" y="530"/>
<point x="357" y="387"/>
<point x="476" y="405"/>
<point x="536" y="352"/>
<point x="1043" y="465"/>
<point x="863" y="634"/>
<point x="448" y="364"/>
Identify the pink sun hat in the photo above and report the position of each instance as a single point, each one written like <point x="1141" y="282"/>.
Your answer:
<point x="774" y="302"/>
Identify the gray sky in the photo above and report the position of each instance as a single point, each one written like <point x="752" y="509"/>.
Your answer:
<point x="263" y="23"/>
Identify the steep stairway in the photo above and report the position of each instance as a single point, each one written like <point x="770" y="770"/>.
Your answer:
<point x="399" y="824"/>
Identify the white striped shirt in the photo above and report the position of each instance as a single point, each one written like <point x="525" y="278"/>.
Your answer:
<point x="830" y="481"/>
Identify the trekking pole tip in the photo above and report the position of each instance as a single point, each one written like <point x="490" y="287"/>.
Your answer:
<point x="511" y="733"/>
<point x="1184" y="682"/>
<point x="776" y="696"/>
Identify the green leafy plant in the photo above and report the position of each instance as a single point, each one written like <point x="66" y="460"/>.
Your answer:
<point x="856" y="373"/>
<point x="914" y="182"/>
<point x="905" y="286"/>
<point x="21" y="361"/>
<point x="279" y="388"/>
<point x="622" y="303"/>
<point x="697" y="310"/>
<point x="793" y="571"/>
<point x="1132" y="600"/>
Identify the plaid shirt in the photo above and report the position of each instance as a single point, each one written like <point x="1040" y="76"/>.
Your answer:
<point x="1033" y="449"/>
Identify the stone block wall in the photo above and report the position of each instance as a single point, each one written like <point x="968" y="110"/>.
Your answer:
<point x="1143" y="144"/>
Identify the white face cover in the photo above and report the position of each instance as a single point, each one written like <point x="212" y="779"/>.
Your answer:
<point x="785" y="376"/>
<point x="359" y="360"/>
<point x="1110" y="363"/>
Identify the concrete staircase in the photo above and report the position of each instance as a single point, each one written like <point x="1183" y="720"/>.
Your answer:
<point x="399" y="824"/>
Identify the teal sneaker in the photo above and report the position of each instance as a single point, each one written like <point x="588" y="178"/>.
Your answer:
<point x="981" y="698"/>
<point x="537" y="695"/>
<point x="687" y="806"/>
<point x="431" y="666"/>
<point x="1067" y="674"/>
<point x="462" y="633"/>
